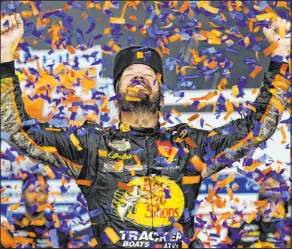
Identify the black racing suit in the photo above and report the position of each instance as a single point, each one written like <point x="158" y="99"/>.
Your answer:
<point x="140" y="183"/>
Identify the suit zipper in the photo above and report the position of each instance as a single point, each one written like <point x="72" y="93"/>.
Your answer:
<point x="150" y="180"/>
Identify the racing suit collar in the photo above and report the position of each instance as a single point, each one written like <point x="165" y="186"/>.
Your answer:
<point x="124" y="127"/>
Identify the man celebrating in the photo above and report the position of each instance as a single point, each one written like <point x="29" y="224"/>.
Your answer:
<point x="141" y="181"/>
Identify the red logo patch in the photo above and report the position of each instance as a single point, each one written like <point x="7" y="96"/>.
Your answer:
<point x="163" y="146"/>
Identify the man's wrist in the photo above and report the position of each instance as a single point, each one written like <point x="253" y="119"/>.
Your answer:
<point x="6" y="55"/>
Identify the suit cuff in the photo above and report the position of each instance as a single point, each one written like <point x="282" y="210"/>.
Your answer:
<point x="275" y="66"/>
<point x="7" y="69"/>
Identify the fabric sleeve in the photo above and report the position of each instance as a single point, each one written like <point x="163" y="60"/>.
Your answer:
<point x="231" y="142"/>
<point x="64" y="149"/>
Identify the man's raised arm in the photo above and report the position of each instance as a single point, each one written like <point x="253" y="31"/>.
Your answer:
<point x="53" y="146"/>
<point x="231" y="142"/>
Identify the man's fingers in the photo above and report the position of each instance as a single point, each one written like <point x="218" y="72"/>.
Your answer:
<point x="4" y="24"/>
<point x="19" y="21"/>
<point x="10" y="23"/>
<point x="288" y="26"/>
<point x="270" y="34"/>
<point x="278" y="23"/>
<point x="273" y="24"/>
<point x="13" y="21"/>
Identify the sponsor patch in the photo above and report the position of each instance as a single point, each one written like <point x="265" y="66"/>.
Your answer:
<point x="120" y="145"/>
<point x="152" y="202"/>
<point x="164" y="148"/>
<point x="110" y="167"/>
<point x="115" y="155"/>
<point x="135" y="167"/>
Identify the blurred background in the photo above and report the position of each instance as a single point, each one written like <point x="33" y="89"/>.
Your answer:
<point x="65" y="59"/>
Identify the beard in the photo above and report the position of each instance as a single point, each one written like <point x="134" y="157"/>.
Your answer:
<point x="144" y="105"/>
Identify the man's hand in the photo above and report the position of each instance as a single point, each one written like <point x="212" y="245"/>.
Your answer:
<point x="273" y="35"/>
<point x="12" y="29"/>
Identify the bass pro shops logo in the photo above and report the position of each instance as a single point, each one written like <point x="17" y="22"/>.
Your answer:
<point x="151" y="202"/>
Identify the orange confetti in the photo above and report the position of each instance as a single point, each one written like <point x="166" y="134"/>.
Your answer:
<point x="129" y="98"/>
<point x="271" y="48"/>
<point x="75" y="141"/>
<point x="284" y="68"/>
<point x="261" y="203"/>
<point x="93" y="242"/>
<point x="191" y="179"/>
<point x="26" y="14"/>
<point x="235" y="225"/>
<point x="184" y="6"/>
<point x="83" y="182"/>
<point x="262" y="17"/>
<point x="49" y="172"/>
<point x="207" y="96"/>
<point x="176" y="112"/>
<point x="70" y="49"/>
<point x="223" y="183"/>
<point x="44" y="206"/>
<point x="107" y="31"/>
<point x="178" y="226"/>
<point x="34" y="9"/>
<point x="197" y="163"/>
<point x="251" y="107"/>
<point x="140" y="55"/>
<point x="56" y="220"/>
<point x="193" y="117"/>
<point x="255" y="72"/>
<point x="133" y="89"/>
<point x="138" y="162"/>
<point x="6" y="239"/>
<point x="206" y="5"/>
<point x="102" y="153"/>
<point x="251" y="217"/>
<point x="38" y="222"/>
<point x="175" y="37"/>
<point x="117" y="20"/>
<point x="14" y="206"/>
<point x="133" y="18"/>
<point x="5" y="199"/>
<point x="212" y="133"/>
<point x="42" y="181"/>
<point x="125" y="186"/>
<point x="190" y="142"/>
<point x="113" y="236"/>
<point x="119" y="165"/>
<point x="283" y="132"/>
<point x="230" y="193"/>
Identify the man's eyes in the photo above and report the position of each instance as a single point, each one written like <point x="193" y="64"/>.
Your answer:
<point x="145" y="75"/>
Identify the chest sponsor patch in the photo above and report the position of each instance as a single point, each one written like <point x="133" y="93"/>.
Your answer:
<point x="164" y="148"/>
<point x="152" y="202"/>
<point x="112" y="166"/>
<point x="120" y="145"/>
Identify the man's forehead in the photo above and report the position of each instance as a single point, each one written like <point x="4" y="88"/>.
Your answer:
<point x="140" y="66"/>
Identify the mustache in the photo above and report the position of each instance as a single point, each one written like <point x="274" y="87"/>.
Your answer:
<point x="135" y="82"/>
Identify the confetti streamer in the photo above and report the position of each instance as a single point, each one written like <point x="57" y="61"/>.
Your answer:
<point x="191" y="179"/>
<point x="271" y="48"/>
<point x="113" y="236"/>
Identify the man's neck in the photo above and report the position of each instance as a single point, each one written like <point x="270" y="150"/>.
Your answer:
<point x="140" y="119"/>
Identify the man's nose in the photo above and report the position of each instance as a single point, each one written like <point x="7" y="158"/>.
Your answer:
<point x="137" y="77"/>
